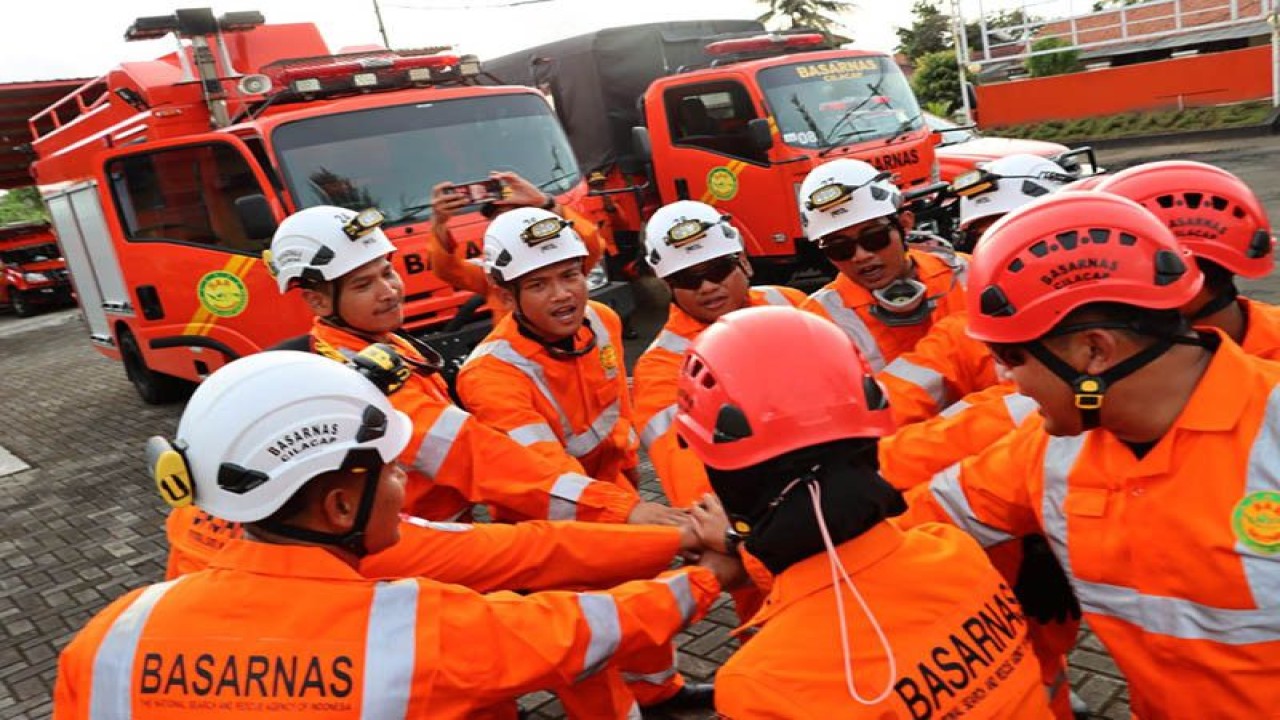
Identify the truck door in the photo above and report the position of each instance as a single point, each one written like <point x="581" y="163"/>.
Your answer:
<point x="196" y="282"/>
<point x="702" y="151"/>
<point x="85" y="239"/>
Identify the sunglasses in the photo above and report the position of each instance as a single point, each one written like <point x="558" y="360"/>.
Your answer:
<point x="1010" y="355"/>
<point x="843" y="247"/>
<point x="713" y="271"/>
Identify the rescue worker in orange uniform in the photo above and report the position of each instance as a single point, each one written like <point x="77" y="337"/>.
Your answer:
<point x="1176" y="575"/>
<point x="698" y="252"/>
<point x="889" y="291"/>
<point x="551" y="374"/>
<point x="946" y="364"/>
<point x="302" y="450"/>
<point x="459" y="266"/>
<point x="340" y="261"/>
<point x="849" y="629"/>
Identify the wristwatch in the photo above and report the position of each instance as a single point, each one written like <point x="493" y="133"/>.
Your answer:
<point x="550" y="204"/>
<point x="732" y="540"/>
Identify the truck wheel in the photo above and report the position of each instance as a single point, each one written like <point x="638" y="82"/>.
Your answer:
<point x="22" y="307"/>
<point x="154" y="388"/>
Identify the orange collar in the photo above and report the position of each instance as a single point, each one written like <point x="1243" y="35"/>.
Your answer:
<point x="508" y="329"/>
<point x="297" y="561"/>
<point x="334" y="336"/>
<point x="1218" y="402"/>
<point x="688" y="327"/>
<point x="929" y="269"/>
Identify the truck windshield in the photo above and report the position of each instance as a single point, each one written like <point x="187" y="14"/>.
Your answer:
<point x="391" y="157"/>
<point x="29" y="254"/>
<point x="827" y="103"/>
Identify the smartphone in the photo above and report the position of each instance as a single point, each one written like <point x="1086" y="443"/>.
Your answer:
<point x="480" y="191"/>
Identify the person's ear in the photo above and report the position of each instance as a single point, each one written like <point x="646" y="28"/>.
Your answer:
<point x="319" y="301"/>
<point x="746" y="266"/>
<point x="506" y="295"/>
<point x="339" y="504"/>
<point x="1100" y="349"/>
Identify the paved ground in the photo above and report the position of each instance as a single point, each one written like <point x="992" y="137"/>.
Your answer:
<point x="82" y="524"/>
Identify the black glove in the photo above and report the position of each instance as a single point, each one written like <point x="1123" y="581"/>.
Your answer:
<point x="1042" y="586"/>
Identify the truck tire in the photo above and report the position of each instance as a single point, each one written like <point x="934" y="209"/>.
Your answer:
<point x="22" y="307"/>
<point x="154" y="388"/>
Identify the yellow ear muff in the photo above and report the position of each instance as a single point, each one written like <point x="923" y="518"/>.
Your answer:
<point x="169" y="470"/>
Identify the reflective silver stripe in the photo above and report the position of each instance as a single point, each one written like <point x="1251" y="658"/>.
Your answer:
<point x="927" y="379"/>
<point x="581" y="444"/>
<point x="502" y="350"/>
<point x="110" y="694"/>
<point x="1263" y="571"/>
<point x="564" y="496"/>
<point x="657" y="426"/>
<point x="679" y="586"/>
<point x="852" y="325"/>
<point x="389" y="651"/>
<point x="941" y="249"/>
<point x="774" y="296"/>
<point x="1179" y="618"/>
<point x="601" y="613"/>
<point x="1056" y="685"/>
<point x="438" y="442"/>
<point x="634" y="712"/>
<point x="949" y="494"/>
<point x="670" y="342"/>
<point x="653" y="678"/>
<point x="1019" y="406"/>
<point x="955" y="408"/>
<point x="533" y="433"/>
<point x="1059" y="457"/>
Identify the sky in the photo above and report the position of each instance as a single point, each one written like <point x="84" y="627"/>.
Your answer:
<point x="47" y="39"/>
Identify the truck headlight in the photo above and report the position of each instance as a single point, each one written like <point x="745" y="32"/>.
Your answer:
<point x="597" y="277"/>
<point x="35" y="277"/>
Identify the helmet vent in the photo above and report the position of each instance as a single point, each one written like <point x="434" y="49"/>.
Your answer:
<point x="1016" y="265"/>
<point x="731" y="425"/>
<point x="1069" y="240"/>
<point x="1193" y="200"/>
<point x="1169" y="267"/>
<point x="1165" y="201"/>
<point x="1127" y="240"/>
<point x="1218" y="203"/>
<point x="239" y="480"/>
<point x="1099" y="236"/>
<point x="1040" y="249"/>
<point x="373" y="425"/>
<point x="1238" y="212"/>
<point x="995" y="303"/>
<point x="323" y="256"/>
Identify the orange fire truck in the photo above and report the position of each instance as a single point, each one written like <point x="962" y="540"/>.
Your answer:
<point x="32" y="272"/>
<point x="165" y="180"/>
<point x="722" y="112"/>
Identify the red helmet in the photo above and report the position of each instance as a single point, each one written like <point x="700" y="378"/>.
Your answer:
<point x="1212" y="212"/>
<point x="739" y="407"/>
<point x="1061" y="252"/>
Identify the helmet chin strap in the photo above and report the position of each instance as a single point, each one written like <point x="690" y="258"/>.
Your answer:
<point x="353" y="541"/>
<point x="1217" y="303"/>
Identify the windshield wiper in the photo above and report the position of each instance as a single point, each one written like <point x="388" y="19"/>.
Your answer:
<point x="556" y="179"/>
<point x="873" y="89"/>
<point x="904" y="127"/>
<point x="835" y="142"/>
<point x="409" y="213"/>
<point x="808" y="119"/>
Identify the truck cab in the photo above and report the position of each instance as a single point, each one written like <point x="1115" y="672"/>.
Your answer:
<point x="33" y="274"/>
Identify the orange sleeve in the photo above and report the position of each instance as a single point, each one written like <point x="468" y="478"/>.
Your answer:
<point x="589" y="233"/>
<point x="625" y="432"/>
<point x="987" y="495"/>
<point x="535" y="555"/>
<point x="916" y="452"/>
<point x="456" y="450"/>
<point x="488" y="638"/>
<point x="683" y="478"/>
<point x="945" y="365"/>
<point x="453" y="270"/>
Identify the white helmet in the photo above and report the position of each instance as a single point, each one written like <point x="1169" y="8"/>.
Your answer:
<point x="1019" y="179"/>
<point x="258" y="429"/>
<point x="687" y="233"/>
<point x="324" y="243"/>
<point x="844" y="193"/>
<point x="525" y="239"/>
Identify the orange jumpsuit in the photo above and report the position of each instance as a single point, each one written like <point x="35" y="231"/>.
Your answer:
<point x="576" y="412"/>
<point x="959" y="638"/>
<point x="270" y="630"/>
<point x="944" y="366"/>
<point x="1175" y="557"/>
<point x="455" y="460"/>
<point x="681" y="473"/>
<point x="531" y="556"/>
<point x="455" y="269"/>
<point x="848" y="305"/>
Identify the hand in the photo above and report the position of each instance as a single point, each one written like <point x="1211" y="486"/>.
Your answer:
<point x="728" y="570"/>
<point x="651" y="513"/>
<point x="444" y="204"/>
<point x="519" y="192"/>
<point x="1043" y="587"/>
<point x="711" y="522"/>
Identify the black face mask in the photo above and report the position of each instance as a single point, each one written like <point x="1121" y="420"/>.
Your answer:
<point x="772" y="500"/>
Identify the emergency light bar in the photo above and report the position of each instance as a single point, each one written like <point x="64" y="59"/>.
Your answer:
<point x="192" y="22"/>
<point x="770" y="43"/>
<point x="369" y="70"/>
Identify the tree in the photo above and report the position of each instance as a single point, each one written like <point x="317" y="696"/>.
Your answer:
<point x="1101" y="5"/>
<point x="815" y="14"/>
<point x="22" y="205"/>
<point x="1016" y="23"/>
<point x="1055" y="63"/>
<point x="937" y="80"/>
<point x="930" y="31"/>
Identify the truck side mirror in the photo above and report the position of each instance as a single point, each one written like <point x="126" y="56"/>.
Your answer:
<point x="759" y="134"/>
<point x="640" y="143"/>
<point x="255" y="216"/>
